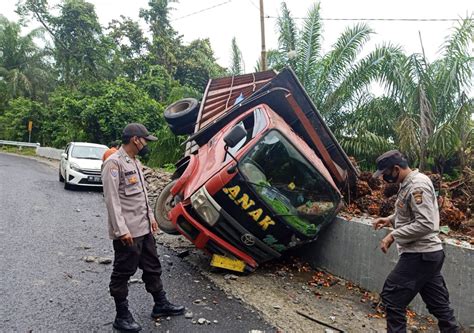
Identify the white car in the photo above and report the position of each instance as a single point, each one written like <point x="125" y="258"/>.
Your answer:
<point x="81" y="164"/>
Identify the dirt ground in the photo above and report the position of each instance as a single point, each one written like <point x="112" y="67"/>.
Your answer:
<point x="288" y="293"/>
<point x="287" y="290"/>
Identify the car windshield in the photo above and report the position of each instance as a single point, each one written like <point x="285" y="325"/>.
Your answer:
<point x="289" y="184"/>
<point x="88" y="152"/>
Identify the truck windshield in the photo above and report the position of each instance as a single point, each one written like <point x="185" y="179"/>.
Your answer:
<point x="290" y="185"/>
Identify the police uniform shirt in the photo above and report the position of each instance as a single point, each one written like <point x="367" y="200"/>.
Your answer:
<point x="416" y="217"/>
<point x="126" y="197"/>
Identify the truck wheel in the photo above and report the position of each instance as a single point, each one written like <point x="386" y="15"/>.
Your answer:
<point x="61" y="178"/>
<point x="163" y="206"/>
<point x="181" y="115"/>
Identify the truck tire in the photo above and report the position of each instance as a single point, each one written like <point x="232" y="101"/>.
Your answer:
<point x="163" y="206"/>
<point x="181" y="116"/>
<point x="61" y="178"/>
<point x="182" y="129"/>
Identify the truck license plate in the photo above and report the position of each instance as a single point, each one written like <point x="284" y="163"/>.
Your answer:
<point x="227" y="263"/>
<point x="94" y="179"/>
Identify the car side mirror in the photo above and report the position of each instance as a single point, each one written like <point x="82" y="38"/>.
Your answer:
<point x="64" y="155"/>
<point x="235" y="136"/>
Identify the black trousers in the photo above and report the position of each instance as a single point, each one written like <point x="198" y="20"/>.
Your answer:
<point x="142" y="254"/>
<point x="418" y="273"/>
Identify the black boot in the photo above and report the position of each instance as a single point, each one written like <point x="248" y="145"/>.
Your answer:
<point x="164" y="308"/>
<point x="124" y="321"/>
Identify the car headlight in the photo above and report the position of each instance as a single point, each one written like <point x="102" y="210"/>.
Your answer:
<point x="205" y="206"/>
<point x="75" y="167"/>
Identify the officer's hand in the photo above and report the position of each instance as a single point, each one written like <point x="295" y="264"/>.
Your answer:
<point x="381" y="222"/>
<point x="386" y="242"/>
<point x="127" y="239"/>
<point x="154" y="226"/>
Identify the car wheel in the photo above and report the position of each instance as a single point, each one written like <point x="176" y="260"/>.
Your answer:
<point x="61" y="178"/>
<point x="182" y="115"/>
<point x="163" y="206"/>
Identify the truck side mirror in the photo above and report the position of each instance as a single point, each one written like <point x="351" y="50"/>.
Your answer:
<point x="235" y="136"/>
<point x="64" y="155"/>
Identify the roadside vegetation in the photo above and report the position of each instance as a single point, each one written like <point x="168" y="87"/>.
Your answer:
<point x="18" y="150"/>
<point x="80" y="81"/>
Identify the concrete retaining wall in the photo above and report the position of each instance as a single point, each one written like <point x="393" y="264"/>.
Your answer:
<point x="350" y="249"/>
<point x="47" y="152"/>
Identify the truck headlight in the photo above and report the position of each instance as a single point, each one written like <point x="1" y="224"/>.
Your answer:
<point x="205" y="206"/>
<point x="75" y="167"/>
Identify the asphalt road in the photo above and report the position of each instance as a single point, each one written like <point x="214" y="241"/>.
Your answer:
<point x="45" y="283"/>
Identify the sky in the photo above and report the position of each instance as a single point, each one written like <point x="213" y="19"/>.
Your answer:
<point x="221" y="20"/>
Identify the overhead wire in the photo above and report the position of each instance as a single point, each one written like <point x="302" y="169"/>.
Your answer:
<point x="378" y="19"/>
<point x="202" y="10"/>
<point x="331" y="18"/>
<point x="253" y="4"/>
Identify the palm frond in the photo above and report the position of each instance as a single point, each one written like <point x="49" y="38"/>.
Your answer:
<point x="456" y="72"/>
<point x="345" y="50"/>
<point x="367" y="70"/>
<point x="287" y="30"/>
<point x="309" y="45"/>
<point x="408" y="137"/>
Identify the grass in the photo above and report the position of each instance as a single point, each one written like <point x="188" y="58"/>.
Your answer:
<point x="27" y="151"/>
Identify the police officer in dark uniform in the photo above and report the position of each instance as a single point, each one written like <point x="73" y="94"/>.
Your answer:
<point x="131" y="227"/>
<point x="416" y="228"/>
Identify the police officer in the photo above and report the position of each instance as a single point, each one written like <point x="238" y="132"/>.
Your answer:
<point x="416" y="228"/>
<point x="131" y="227"/>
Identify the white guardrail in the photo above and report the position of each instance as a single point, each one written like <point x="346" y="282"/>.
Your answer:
<point x="51" y="153"/>
<point x="19" y="144"/>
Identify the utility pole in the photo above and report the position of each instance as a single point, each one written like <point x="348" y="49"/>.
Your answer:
<point x="262" y="32"/>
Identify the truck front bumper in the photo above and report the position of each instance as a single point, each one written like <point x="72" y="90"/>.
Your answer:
<point x="204" y="238"/>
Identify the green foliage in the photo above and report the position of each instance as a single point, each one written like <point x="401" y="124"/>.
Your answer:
<point x="83" y="82"/>
<point x="168" y="149"/>
<point x="14" y="121"/>
<point x="424" y="112"/>
<point x="91" y="82"/>
<point x="23" y="65"/>
<point x="103" y="108"/>
<point x="197" y="65"/>
<point x="164" y="46"/>
<point x="236" y="64"/>
<point x="18" y="150"/>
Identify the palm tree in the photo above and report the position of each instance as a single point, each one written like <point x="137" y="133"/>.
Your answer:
<point x="427" y="104"/>
<point x="337" y="81"/>
<point x="22" y="65"/>
<point x="425" y="111"/>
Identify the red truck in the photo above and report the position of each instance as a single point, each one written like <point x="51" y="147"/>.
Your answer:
<point x="262" y="173"/>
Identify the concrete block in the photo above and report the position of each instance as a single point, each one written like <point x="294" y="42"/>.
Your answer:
<point x="48" y="152"/>
<point x="350" y="249"/>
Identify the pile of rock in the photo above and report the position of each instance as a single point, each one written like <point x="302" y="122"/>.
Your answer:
<point x="156" y="180"/>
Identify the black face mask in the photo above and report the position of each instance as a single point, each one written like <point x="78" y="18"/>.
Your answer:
<point x="391" y="179"/>
<point x="144" y="151"/>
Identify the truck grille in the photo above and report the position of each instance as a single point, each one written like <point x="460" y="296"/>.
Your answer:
<point x="230" y="230"/>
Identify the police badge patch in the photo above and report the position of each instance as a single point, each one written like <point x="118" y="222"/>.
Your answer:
<point x="114" y="172"/>
<point x="418" y="196"/>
